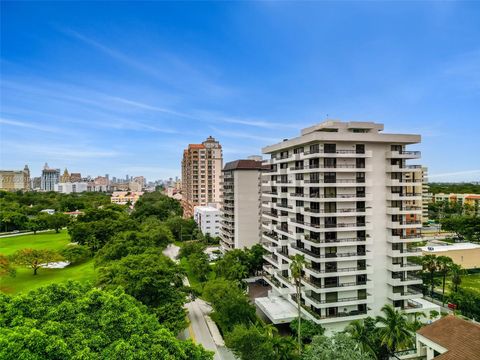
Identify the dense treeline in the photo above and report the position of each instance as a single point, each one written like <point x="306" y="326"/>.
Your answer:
<point x="132" y="272"/>
<point x="460" y="188"/>
<point x="78" y="321"/>
<point x="22" y="210"/>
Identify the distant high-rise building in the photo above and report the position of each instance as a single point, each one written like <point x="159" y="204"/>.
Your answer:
<point x="201" y="174"/>
<point x="49" y="178"/>
<point x="241" y="218"/>
<point x="13" y="180"/>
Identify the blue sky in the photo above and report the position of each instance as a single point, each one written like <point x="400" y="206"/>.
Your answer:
<point x="122" y="88"/>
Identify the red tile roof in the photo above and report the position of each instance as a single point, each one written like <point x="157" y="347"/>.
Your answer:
<point x="460" y="337"/>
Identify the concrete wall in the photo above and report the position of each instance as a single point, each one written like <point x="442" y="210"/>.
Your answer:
<point x="247" y="208"/>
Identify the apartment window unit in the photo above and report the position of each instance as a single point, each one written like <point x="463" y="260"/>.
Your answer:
<point x="330" y="148"/>
<point x="315" y="148"/>
<point x="360" y="148"/>
<point x="360" y="163"/>
<point x="298" y="150"/>
<point x="330" y="162"/>
<point x="330" y="177"/>
<point x="299" y="176"/>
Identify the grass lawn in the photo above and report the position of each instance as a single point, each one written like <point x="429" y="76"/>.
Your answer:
<point x="469" y="282"/>
<point x="24" y="279"/>
<point x="45" y="240"/>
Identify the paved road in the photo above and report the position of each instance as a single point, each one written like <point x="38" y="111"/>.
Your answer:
<point x="198" y="329"/>
<point x="24" y="233"/>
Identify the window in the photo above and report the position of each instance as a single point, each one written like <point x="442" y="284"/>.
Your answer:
<point x="330" y="148"/>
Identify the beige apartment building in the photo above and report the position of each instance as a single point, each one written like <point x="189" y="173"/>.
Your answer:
<point x="201" y="175"/>
<point x="241" y="219"/>
<point x="13" y="180"/>
<point x="338" y="195"/>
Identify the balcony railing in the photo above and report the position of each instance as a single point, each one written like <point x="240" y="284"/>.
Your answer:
<point x="328" y="256"/>
<point x="331" y="301"/>
<point x="337" y="270"/>
<point x="332" y="241"/>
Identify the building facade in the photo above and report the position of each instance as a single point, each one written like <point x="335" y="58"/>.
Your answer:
<point x="208" y="219"/>
<point x="339" y="195"/>
<point x="241" y="218"/>
<point x="426" y="195"/>
<point x="125" y="197"/>
<point x="201" y="175"/>
<point x="73" y="187"/>
<point x="471" y="200"/>
<point x="49" y="178"/>
<point x="13" y="180"/>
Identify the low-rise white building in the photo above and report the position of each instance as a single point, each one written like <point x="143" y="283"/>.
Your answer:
<point x="208" y="219"/>
<point x="72" y="187"/>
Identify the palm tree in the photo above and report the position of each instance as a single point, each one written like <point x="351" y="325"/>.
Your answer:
<point x="457" y="272"/>
<point x="416" y="323"/>
<point x="394" y="329"/>
<point x="358" y="331"/>
<point x="429" y="264"/>
<point x="444" y="263"/>
<point x="296" y="267"/>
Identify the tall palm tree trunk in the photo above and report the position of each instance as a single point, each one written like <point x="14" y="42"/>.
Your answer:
<point x="299" y="307"/>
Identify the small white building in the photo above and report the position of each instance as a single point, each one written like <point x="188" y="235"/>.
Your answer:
<point x="208" y="219"/>
<point x="72" y="187"/>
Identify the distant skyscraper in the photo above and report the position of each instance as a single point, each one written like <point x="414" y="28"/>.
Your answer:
<point x="50" y="177"/>
<point x="201" y="174"/>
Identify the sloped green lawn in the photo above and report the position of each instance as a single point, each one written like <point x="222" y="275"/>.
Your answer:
<point x="25" y="280"/>
<point x="45" y="240"/>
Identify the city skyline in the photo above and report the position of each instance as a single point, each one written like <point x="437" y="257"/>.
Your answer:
<point x="125" y="89"/>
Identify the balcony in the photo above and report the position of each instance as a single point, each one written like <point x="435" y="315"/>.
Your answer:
<point x="319" y="288"/>
<point x="404" y="196"/>
<point x="338" y="212"/>
<point x="355" y="270"/>
<point x="403" y="154"/>
<point x="322" y="168"/>
<point x="404" y="252"/>
<point x="405" y="210"/>
<point x="406" y="266"/>
<point x="338" y="256"/>
<point x="329" y="227"/>
<point x="404" y="224"/>
<point x="324" y="198"/>
<point x="354" y="299"/>
<point x="396" y="239"/>
<point x="334" y="242"/>
<point x="407" y="168"/>
<point x="406" y="280"/>
<point x="405" y="295"/>
<point x="404" y="182"/>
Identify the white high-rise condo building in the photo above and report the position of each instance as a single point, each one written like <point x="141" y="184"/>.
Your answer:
<point x="338" y="195"/>
<point x="241" y="204"/>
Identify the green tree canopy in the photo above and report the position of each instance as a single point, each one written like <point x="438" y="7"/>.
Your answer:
<point x="153" y="279"/>
<point x="76" y="321"/>
<point x="338" y="347"/>
<point x="230" y="304"/>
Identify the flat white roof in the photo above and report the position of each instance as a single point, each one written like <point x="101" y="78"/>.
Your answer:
<point x="459" y="246"/>
<point x="206" y="208"/>
<point x="277" y="309"/>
